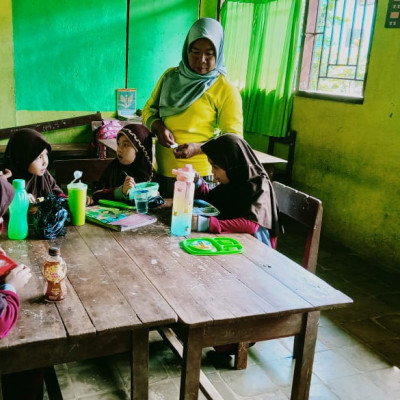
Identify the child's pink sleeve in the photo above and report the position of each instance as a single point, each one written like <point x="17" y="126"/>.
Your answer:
<point x="9" y="310"/>
<point x="236" y="225"/>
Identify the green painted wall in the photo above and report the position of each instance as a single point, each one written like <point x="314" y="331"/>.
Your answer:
<point x="68" y="55"/>
<point x="157" y="32"/>
<point x="208" y="8"/>
<point x="7" y="86"/>
<point x="64" y="59"/>
<point x="349" y="155"/>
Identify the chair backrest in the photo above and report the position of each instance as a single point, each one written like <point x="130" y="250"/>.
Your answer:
<point x="92" y="169"/>
<point x="306" y="210"/>
<point x="283" y="175"/>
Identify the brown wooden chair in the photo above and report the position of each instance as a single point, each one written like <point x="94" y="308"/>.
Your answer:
<point x="92" y="169"/>
<point x="283" y="172"/>
<point x="307" y="211"/>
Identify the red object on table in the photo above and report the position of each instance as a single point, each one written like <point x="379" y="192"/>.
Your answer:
<point x="6" y="264"/>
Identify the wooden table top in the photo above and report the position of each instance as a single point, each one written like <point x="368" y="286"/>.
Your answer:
<point x="215" y="289"/>
<point x="107" y="295"/>
<point x="264" y="158"/>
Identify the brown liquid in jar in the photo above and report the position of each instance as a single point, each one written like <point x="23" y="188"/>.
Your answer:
<point x="55" y="272"/>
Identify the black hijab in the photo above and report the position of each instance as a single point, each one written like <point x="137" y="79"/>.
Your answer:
<point x="249" y="193"/>
<point x="141" y="169"/>
<point x="22" y="149"/>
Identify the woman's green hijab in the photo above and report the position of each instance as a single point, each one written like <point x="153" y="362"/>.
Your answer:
<point x="182" y="86"/>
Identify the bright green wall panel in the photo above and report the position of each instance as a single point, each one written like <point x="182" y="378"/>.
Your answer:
<point x="7" y="103"/>
<point x="68" y="55"/>
<point x="156" y="35"/>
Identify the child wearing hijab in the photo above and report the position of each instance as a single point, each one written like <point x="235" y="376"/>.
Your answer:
<point x="26" y="156"/>
<point x="18" y="277"/>
<point x="191" y="102"/>
<point x="28" y="384"/>
<point x="244" y="196"/>
<point x="132" y="165"/>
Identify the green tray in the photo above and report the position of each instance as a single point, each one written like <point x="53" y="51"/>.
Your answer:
<point x="211" y="246"/>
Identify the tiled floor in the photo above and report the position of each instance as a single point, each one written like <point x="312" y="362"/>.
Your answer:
<point x="357" y="355"/>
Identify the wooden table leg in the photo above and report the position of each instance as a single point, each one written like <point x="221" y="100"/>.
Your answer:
<point x="52" y="385"/>
<point x="140" y="364"/>
<point x="191" y="364"/>
<point x="242" y="350"/>
<point x="306" y="342"/>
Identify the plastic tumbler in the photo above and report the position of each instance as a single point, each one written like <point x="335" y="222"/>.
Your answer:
<point x="77" y="202"/>
<point x="141" y="197"/>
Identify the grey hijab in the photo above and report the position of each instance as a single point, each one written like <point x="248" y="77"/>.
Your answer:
<point x="182" y="86"/>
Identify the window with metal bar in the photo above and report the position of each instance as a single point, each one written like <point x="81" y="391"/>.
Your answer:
<point x="336" y="46"/>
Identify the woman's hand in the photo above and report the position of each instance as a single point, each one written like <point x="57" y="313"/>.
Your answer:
<point x="164" y="135"/>
<point x="32" y="198"/>
<point x="129" y="183"/>
<point x="187" y="150"/>
<point x="18" y="277"/>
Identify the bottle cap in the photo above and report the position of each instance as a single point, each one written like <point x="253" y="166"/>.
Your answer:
<point x="54" y="251"/>
<point x="19" y="183"/>
<point x="185" y="174"/>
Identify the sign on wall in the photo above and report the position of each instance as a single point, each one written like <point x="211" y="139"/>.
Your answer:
<point x="393" y="14"/>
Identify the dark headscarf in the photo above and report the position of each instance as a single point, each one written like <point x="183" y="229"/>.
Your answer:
<point x="142" y="167"/>
<point x="6" y="195"/>
<point x="22" y="149"/>
<point x="249" y="193"/>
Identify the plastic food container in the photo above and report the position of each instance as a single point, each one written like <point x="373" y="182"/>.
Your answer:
<point x="152" y="187"/>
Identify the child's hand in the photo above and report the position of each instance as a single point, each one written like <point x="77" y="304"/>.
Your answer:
<point x="6" y="174"/>
<point x="32" y="198"/>
<point x="89" y="201"/>
<point x="129" y="183"/>
<point x="19" y="276"/>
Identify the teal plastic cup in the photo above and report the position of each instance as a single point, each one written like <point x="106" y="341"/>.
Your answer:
<point x="141" y="199"/>
<point x="152" y="187"/>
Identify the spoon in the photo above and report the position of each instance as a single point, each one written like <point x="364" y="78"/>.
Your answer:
<point x="77" y="175"/>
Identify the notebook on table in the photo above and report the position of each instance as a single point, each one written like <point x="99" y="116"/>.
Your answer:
<point x="117" y="219"/>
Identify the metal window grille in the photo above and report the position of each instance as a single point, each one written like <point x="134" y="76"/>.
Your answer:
<point x="336" y="46"/>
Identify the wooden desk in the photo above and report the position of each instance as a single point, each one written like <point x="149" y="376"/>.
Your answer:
<point x="254" y="296"/>
<point x="110" y="307"/>
<point x="264" y="158"/>
<point x="112" y="303"/>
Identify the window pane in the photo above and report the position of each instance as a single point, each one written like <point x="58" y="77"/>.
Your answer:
<point x="337" y="43"/>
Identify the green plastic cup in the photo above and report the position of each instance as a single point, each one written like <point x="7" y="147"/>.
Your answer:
<point x="77" y="202"/>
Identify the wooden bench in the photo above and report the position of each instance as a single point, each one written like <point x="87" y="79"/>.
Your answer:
<point x="59" y="150"/>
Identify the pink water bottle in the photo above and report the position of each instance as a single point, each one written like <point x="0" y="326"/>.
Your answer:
<point x="182" y="206"/>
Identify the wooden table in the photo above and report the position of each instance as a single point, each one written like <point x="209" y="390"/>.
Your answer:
<point x="112" y="303"/>
<point x="110" y="307"/>
<point x="254" y="296"/>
